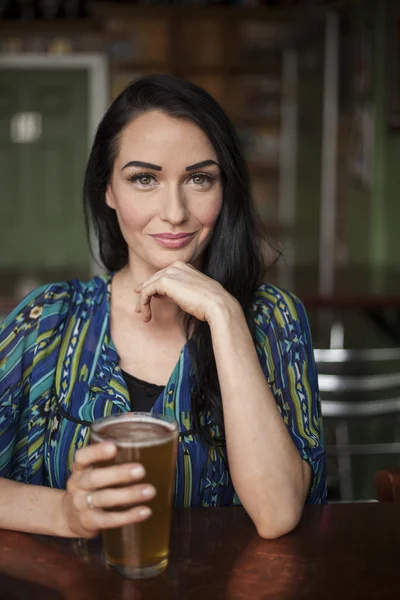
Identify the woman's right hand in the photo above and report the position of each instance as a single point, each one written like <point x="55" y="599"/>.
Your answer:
<point x="92" y="488"/>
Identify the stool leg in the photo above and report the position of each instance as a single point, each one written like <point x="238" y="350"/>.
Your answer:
<point x="344" y="461"/>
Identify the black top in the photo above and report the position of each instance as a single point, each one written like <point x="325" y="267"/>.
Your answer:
<point x="141" y="393"/>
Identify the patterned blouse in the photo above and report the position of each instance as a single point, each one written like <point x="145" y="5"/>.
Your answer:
<point x="59" y="372"/>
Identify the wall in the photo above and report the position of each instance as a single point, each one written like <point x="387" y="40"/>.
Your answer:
<point x="393" y="212"/>
<point x="372" y="209"/>
<point x="308" y="193"/>
<point x="391" y="140"/>
<point x="358" y="54"/>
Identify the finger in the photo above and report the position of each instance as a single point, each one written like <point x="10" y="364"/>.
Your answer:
<point x="153" y="278"/>
<point x="93" y="479"/>
<point x="95" y="519"/>
<point x="112" y="497"/>
<point x="144" y="301"/>
<point x="172" y="270"/>
<point x="86" y="457"/>
<point x="150" y="280"/>
<point x="145" y="310"/>
<point x="145" y="305"/>
<point x="160" y="287"/>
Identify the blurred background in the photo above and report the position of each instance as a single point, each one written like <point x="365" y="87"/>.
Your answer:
<point x="313" y="88"/>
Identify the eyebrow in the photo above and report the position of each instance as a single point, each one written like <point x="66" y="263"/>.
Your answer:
<point x="144" y="165"/>
<point x="204" y="163"/>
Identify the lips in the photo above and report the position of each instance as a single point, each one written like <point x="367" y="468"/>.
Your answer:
<point x="173" y="240"/>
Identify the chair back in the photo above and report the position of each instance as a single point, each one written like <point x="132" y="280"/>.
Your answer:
<point x="387" y="484"/>
<point x="359" y="380"/>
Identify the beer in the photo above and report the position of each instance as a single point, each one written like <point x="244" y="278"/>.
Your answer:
<point x="141" y="549"/>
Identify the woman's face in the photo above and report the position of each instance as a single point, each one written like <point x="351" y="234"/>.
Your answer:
<point x="166" y="189"/>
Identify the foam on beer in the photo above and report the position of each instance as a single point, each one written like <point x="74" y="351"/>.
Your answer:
<point x="134" y="431"/>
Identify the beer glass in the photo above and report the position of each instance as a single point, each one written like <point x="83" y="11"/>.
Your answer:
<point x="140" y="550"/>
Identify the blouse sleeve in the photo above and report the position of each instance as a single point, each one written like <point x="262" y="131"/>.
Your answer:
<point x="18" y="339"/>
<point x="284" y="347"/>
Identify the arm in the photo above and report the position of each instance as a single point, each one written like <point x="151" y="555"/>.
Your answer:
<point x="42" y="510"/>
<point x="33" y="508"/>
<point x="269" y="394"/>
<point x="23" y="507"/>
<point x="268" y="473"/>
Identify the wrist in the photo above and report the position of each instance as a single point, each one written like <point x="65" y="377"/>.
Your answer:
<point x="224" y="311"/>
<point x="64" y="509"/>
<point x="68" y="523"/>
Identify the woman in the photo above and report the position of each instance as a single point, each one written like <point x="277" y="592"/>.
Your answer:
<point x="167" y="192"/>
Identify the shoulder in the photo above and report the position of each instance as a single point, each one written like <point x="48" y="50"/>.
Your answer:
<point x="277" y="305"/>
<point x="53" y="302"/>
<point x="282" y="331"/>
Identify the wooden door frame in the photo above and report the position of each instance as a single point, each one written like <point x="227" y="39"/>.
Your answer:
<point x="98" y="93"/>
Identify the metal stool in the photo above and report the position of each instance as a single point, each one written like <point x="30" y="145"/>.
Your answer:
<point x="359" y="378"/>
<point x="357" y="383"/>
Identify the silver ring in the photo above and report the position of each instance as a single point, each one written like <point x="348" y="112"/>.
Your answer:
<point x="89" y="501"/>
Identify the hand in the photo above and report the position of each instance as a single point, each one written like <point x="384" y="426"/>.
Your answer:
<point x="191" y="290"/>
<point x="91" y="488"/>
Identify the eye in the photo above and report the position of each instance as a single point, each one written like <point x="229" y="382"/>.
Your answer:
<point x="143" y="179"/>
<point x="202" y="179"/>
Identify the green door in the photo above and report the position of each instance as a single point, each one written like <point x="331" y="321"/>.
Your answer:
<point x="43" y="149"/>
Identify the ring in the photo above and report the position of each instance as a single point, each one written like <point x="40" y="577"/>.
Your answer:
<point x="89" y="501"/>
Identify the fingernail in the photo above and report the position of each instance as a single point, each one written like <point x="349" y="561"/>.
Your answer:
<point x="138" y="471"/>
<point x="148" y="492"/>
<point x="109" y="448"/>
<point x="144" y="512"/>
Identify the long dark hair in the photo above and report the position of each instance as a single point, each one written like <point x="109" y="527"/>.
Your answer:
<point x="233" y="256"/>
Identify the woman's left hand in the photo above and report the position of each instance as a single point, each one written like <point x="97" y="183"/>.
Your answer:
<point x="191" y="290"/>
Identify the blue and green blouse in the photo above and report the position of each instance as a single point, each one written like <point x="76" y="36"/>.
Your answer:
<point x="59" y="372"/>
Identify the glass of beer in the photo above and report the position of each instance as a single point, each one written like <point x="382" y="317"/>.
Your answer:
<point x="140" y="550"/>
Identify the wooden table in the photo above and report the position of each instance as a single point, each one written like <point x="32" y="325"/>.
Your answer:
<point x="341" y="551"/>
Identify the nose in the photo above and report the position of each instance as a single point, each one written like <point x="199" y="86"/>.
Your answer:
<point x="174" y="209"/>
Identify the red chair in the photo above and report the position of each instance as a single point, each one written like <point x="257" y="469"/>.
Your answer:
<point x="387" y="484"/>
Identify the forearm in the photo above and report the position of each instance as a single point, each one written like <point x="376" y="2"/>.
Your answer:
<point x="268" y="473"/>
<point x="33" y="509"/>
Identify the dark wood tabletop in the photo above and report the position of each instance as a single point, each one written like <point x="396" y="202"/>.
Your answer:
<point x="340" y="551"/>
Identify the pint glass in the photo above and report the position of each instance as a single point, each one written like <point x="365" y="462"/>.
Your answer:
<point x="140" y="550"/>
